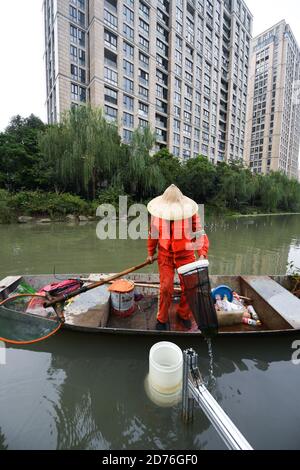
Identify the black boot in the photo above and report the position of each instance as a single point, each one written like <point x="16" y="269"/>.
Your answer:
<point x="161" y="326"/>
<point x="186" y="323"/>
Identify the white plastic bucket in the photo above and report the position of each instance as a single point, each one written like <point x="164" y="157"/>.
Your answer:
<point x="165" y="368"/>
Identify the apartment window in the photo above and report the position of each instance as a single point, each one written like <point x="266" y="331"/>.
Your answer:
<point x="81" y="4"/>
<point x="179" y="14"/>
<point x="74" y="72"/>
<point x="187" y="116"/>
<point x="177" y="111"/>
<point x="110" y="39"/>
<point x="128" y="120"/>
<point x="144" y="25"/>
<point x="81" y="38"/>
<point x="187" y="104"/>
<point x="143" y="123"/>
<point x="128" y="15"/>
<point x="128" y="85"/>
<point x="81" y="18"/>
<point x="73" y="33"/>
<point x="143" y="92"/>
<point x="110" y="95"/>
<point x="74" y="91"/>
<point x="187" y="129"/>
<point x="176" y="139"/>
<point x="186" y="142"/>
<point x="143" y="108"/>
<point x="110" y="19"/>
<point x="197" y="134"/>
<point x="144" y="9"/>
<point x="143" y="77"/>
<point x="197" y="121"/>
<point x="128" y="50"/>
<point x="111" y="113"/>
<point x="128" y="102"/>
<point x="177" y="84"/>
<point x="82" y="57"/>
<point x="73" y="13"/>
<point x="128" y="68"/>
<point x="178" y="42"/>
<point x="74" y="53"/>
<point x="110" y="58"/>
<point x="162" y="46"/>
<point x="178" y="70"/>
<point x="127" y="135"/>
<point x="188" y="77"/>
<point x="144" y="59"/>
<point x="144" y="43"/>
<point x="188" y="91"/>
<point x="129" y="32"/>
<point x="177" y="98"/>
<point x="178" y="56"/>
<point x="179" y="28"/>
<point x="110" y="75"/>
<point x="82" y="75"/>
<point x="176" y="125"/>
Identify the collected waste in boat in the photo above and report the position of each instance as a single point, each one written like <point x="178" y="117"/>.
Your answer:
<point x="232" y="308"/>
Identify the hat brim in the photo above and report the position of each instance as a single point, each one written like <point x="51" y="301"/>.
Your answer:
<point x="186" y="209"/>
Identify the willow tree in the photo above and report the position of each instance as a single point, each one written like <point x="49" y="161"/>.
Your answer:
<point x="144" y="177"/>
<point x="85" y="147"/>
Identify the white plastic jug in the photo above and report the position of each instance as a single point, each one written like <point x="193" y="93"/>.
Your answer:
<point x="165" y="367"/>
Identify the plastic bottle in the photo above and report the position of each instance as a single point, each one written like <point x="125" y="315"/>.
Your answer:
<point x="249" y="322"/>
<point x="252" y="313"/>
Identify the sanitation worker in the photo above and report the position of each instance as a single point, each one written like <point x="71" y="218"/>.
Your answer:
<point x="176" y="232"/>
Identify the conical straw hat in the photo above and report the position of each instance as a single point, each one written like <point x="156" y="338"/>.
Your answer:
<point x="172" y="205"/>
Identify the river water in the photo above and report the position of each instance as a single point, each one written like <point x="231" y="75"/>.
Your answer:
<point x="87" y="392"/>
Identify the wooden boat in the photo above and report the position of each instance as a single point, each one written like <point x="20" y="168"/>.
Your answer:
<point x="277" y="307"/>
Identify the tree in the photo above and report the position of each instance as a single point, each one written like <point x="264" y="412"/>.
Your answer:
<point x="143" y="177"/>
<point x="86" y="150"/>
<point x="169" y="166"/>
<point x="19" y="153"/>
<point x="197" y="179"/>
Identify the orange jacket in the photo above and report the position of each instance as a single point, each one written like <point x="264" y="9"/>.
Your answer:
<point x="177" y="237"/>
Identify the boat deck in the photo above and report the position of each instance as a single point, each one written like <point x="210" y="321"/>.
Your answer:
<point x="144" y="318"/>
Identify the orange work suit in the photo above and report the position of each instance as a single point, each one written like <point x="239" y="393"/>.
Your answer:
<point x="177" y="244"/>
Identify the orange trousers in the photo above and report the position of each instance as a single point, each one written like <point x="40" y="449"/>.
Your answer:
<point x="167" y="263"/>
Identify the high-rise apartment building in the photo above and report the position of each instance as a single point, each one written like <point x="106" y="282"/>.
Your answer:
<point x="179" y="66"/>
<point x="273" y="117"/>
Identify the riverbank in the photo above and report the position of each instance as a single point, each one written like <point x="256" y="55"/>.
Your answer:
<point x="43" y="208"/>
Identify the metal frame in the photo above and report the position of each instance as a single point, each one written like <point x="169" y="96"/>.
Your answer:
<point x="194" y="391"/>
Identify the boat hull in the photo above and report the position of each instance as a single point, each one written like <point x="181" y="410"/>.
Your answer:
<point x="143" y="321"/>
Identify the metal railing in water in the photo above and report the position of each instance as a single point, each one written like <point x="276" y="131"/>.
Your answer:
<point x="194" y="391"/>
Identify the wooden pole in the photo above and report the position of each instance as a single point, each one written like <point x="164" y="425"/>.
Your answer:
<point x="81" y="290"/>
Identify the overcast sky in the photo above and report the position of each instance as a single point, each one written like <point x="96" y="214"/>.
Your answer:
<point x="22" y="82"/>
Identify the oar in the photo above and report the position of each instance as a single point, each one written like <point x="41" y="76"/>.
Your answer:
<point x="81" y="290"/>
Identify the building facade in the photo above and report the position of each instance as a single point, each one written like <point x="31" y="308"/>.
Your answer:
<point x="179" y="66"/>
<point x="273" y="117"/>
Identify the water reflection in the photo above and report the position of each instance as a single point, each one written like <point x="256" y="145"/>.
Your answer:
<point x="258" y="245"/>
<point x="88" y="393"/>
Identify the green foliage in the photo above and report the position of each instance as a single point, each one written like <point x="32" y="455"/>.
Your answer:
<point x="37" y="203"/>
<point x="170" y="166"/>
<point x="20" y="158"/>
<point x="44" y="170"/>
<point x="198" y="179"/>
<point x="143" y="176"/>
<point x="85" y="148"/>
<point x="6" y="215"/>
